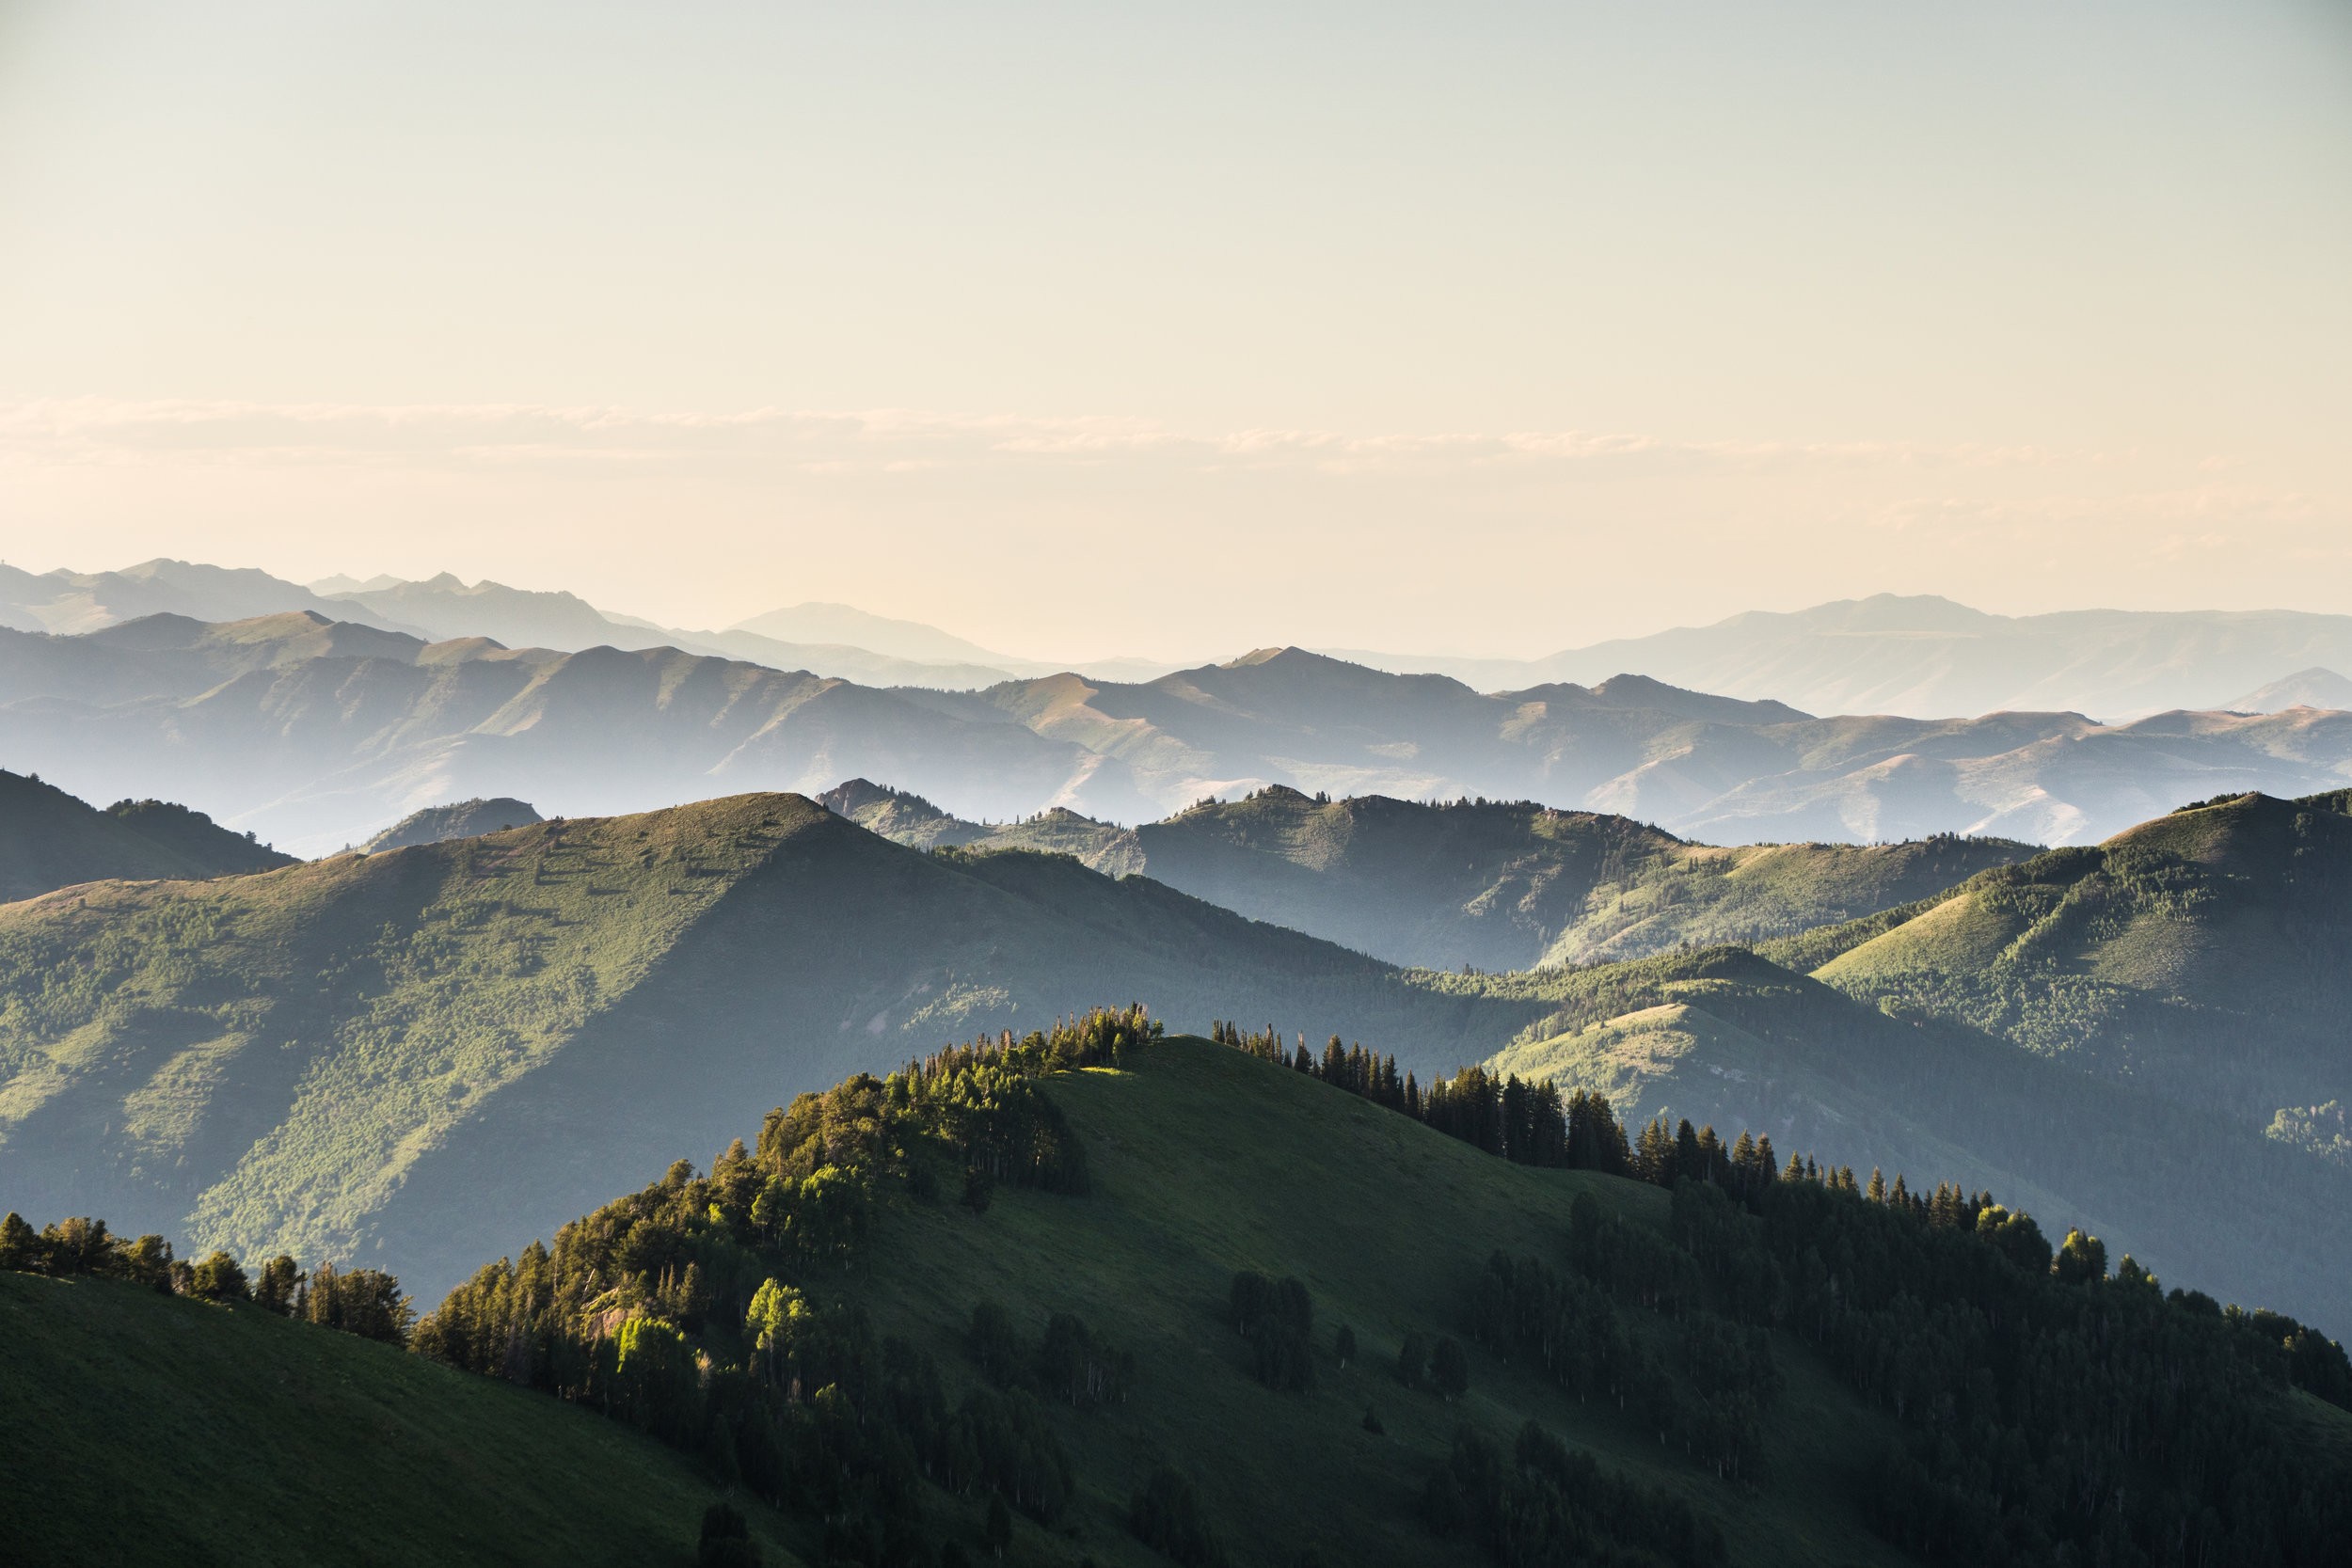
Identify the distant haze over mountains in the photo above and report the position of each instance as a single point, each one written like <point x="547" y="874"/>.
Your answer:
<point x="1913" y="655"/>
<point x="318" y="733"/>
<point x="1925" y="656"/>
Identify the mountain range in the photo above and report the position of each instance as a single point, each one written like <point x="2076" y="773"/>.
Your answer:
<point x="1925" y="656"/>
<point x="2136" y="1038"/>
<point x="319" y="733"/>
<point x="326" y="1058"/>
<point x="1915" y="655"/>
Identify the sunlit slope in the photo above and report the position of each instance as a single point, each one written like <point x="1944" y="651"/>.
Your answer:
<point x="2206" y="955"/>
<point x="1726" y="1036"/>
<point x="145" y="1428"/>
<point x="1205" y="1161"/>
<point x="332" y="1058"/>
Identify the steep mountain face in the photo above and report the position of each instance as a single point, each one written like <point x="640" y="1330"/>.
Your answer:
<point x="1924" y="656"/>
<point x="458" y="819"/>
<point x="334" y="1060"/>
<point x="322" y="734"/>
<point x="50" y="840"/>
<point x="1488" y="884"/>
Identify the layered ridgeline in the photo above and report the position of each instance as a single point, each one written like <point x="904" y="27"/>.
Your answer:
<point x="1097" y="1296"/>
<point x="1489" y="884"/>
<point x="2143" y="1036"/>
<point x="336" y="1058"/>
<point x="320" y="733"/>
<point x="1924" y="654"/>
<point x="48" y="839"/>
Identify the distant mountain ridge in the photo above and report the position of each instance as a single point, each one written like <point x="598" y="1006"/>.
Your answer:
<point x="321" y="734"/>
<point x="1924" y="656"/>
<point x="1485" y="884"/>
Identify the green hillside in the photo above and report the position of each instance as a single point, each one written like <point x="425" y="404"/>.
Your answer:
<point x="148" y="1429"/>
<point x="1204" y="1163"/>
<point x="1743" y="1369"/>
<point x="49" y="840"/>
<point x="330" y="1060"/>
<point x="1726" y="1038"/>
<point x="2206" y="955"/>
<point x="1489" y="885"/>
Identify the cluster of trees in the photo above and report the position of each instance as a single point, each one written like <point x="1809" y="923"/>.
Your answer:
<point x="2057" y="1413"/>
<point x="1164" y="1515"/>
<point x="1703" y="1381"/>
<point x="1547" y="1505"/>
<point x="1530" y="1124"/>
<point x="1441" y="1365"/>
<point x="689" y="1309"/>
<point x="366" y="1302"/>
<point x="1069" y="1365"/>
<point x="1278" y="1318"/>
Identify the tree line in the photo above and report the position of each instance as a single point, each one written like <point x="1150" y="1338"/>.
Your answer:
<point x="2056" y="1411"/>
<point x="695" y="1310"/>
<point x="365" y="1302"/>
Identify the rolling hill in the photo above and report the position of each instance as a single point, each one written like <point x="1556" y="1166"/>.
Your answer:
<point x="322" y="734"/>
<point x="49" y="840"/>
<point x="331" y="1057"/>
<point x="2204" y="955"/>
<point x="1488" y="884"/>
<point x="1214" y="1311"/>
<point x="145" y="1429"/>
<point x="2146" y="1033"/>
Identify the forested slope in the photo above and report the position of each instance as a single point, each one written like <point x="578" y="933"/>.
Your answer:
<point x="1095" y="1295"/>
<point x="1725" y="1037"/>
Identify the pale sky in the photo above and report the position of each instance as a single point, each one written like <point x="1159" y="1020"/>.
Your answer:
<point x="1184" y="329"/>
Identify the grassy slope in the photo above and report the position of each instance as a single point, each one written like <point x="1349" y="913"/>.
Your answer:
<point x="49" y="840"/>
<point x="1727" y="1037"/>
<point x="1205" y="1161"/>
<point x="334" y="1058"/>
<point x="149" y="1428"/>
<point x="2202" y="954"/>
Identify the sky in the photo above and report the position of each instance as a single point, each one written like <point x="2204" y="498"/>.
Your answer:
<point x="1178" y="330"/>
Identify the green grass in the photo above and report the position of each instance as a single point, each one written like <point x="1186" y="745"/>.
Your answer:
<point x="1205" y="1161"/>
<point x="143" y="1428"/>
